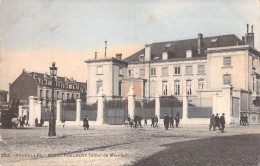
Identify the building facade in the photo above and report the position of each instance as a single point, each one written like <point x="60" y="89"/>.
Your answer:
<point x="40" y="85"/>
<point x="184" y="67"/>
<point x="3" y="96"/>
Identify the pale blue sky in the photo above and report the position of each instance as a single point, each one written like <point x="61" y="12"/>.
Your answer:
<point x="80" y="27"/>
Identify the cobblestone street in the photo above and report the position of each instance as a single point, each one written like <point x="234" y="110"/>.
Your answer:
<point x="118" y="145"/>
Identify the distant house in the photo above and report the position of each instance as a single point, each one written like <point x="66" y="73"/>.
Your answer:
<point x="40" y="85"/>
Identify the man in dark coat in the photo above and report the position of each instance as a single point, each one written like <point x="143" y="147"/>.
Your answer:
<point x="212" y="122"/>
<point x="166" y="121"/>
<point x="156" y="121"/>
<point x="85" y="123"/>
<point x="36" y="122"/>
<point x="171" y="121"/>
<point x="216" y="122"/>
<point x="152" y="119"/>
<point x="177" y="119"/>
<point x="135" y="120"/>
<point x="222" y="122"/>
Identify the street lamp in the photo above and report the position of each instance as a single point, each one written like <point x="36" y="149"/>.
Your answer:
<point x="53" y="72"/>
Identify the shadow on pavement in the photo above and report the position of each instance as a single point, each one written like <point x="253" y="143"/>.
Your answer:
<point x="229" y="150"/>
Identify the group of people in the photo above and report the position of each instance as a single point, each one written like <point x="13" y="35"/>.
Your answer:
<point x="244" y="120"/>
<point x="169" y="120"/>
<point x="216" y="121"/>
<point x="137" y="121"/>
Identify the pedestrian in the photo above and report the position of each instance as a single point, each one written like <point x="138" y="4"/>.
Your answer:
<point x="212" y="122"/>
<point x="63" y="122"/>
<point x="85" y="123"/>
<point x="171" y="121"/>
<point x="135" y="120"/>
<point x="23" y="121"/>
<point x="222" y="122"/>
<point x="41" y="122"/>
<point x="36" y="122"/>
<point x="166" y="121"/>
<point x="216" y="122"/>
<point x="152" y="119"/>
<point x="140" y="121"/>
<point x="177" y="119"/>
<point x="242" y="119"/>
<point x="145" y="121"/>
<point x="156" y="121"/>
<point x="246" y="120"/>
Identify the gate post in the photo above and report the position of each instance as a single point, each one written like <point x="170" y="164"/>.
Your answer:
<point x="78" y="109"/>
<point x="157" y="106"/>
<point x="58" y="112"/>
<point x="185" y="103"/>
<point x="227" y="103"/>
<point x="38" y="112"/>
<point x="131" y="102"/>
<point x="32" y="107"/>
<point x="20" y="111"/>
<point x="100" y="107"/>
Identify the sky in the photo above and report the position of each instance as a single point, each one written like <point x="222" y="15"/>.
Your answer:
<point x="35" y="33"/>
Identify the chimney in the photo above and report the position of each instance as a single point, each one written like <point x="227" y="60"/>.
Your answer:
<point x="247" y="28"/>
<point x="119" y="56"/>
<point x="95" y="55"/>
<point x="147" y="52"/>
<point x="249" y="37"/>
<point x="200" y="38"/>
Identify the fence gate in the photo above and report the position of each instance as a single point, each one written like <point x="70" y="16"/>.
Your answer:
<point x="170" y="105"/>
<point x="145" y="108"/>
<point x="200" y="107"/>
<point x="68" y="111"/>
<point x="46" y="111"/>
<point x="89" y="110"/>
<point x="115" y="112"/>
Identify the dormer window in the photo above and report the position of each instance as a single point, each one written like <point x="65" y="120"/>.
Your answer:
<point x="167" y="45"/>
<point x="214" y="40"/>
<point x="164" y="55"/>
<point x="141" y="57"/>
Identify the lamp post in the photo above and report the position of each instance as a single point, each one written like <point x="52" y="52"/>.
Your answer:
<point x="52" y="122"/>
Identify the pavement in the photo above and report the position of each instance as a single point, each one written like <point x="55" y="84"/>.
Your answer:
<point x="120" y="145"/>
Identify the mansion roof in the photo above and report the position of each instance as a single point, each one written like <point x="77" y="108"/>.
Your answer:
<point x="177" y="49"/>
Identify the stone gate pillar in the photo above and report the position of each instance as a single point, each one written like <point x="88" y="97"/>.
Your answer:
<point x="58" y="111"/>
<point x="32" y="107"/>
<point x="78" y="110"/>
<point x="227" y="103"/>
<point x="131" y="102"/>
<point x="100" y="107"/>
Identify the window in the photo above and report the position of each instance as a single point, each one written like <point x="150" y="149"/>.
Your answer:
<point x="201" y="69"/>
<point x="165" y="71"/>
<point x="188" y="87"/>
<point x="177" y="70"/>
<point x="100" y="70"/>
<point x="40" y="93"/>
<point x="227" y="79"/>
<point x="130" y="73"/>
<point x="177" y="87"/>
<point x="77" y="96"/>
<point x="99" y="84"/>
<point x="142" y="72"/>
<point x="58" y="94"/>
<point x="164" y="56"/>
<point x="120" y="88"/>
<point x="68" y="96"/>
<point x="201" y="84"/>
<point x="141" y="57"/>
<point x="47" y="93"/>
<point x="227" y="61"/>
<point x="153" y="72"/>
<point x="188" y="69"/>
<point x="62" y="96"/>
<point x="120" y="71"/>
<point x="164" y="88"/>
<point x="254" y="83"/>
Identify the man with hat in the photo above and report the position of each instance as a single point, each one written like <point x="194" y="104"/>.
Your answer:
<point x="216" y="122"/>
<point x="212" y="122"/>
<point x="222" y="122"/>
